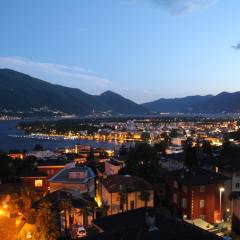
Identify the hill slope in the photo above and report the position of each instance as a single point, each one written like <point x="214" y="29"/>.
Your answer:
<point x="22" y="92"/>
<point x="223" y="102"/>
<point x="175" y="105"/>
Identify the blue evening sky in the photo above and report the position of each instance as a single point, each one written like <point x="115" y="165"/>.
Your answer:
<point x="142" y="49"/>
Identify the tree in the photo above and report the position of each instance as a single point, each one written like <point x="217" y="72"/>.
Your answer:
<point x="123" y="197"/>
<point x="45" y="227"/>
<point x="145" y="136"/>
<point x="90" y="156"/>
<point x="5" y="164"/>
<point x="190" y="151"/>
<point x="145" y="197"/>
<point x="207" y="148"/>
<point x="66" y="205"/>
<point x="161" y="147"/>
<point x="166" y="138"/>
<point x="123" y="150"/>
<point x="143" y="161"/>
<point x="28" y="196"/>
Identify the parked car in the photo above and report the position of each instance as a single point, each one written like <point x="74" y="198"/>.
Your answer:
<point x="81" y="232"/>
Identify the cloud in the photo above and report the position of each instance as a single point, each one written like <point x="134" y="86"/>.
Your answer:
<point x="181" y="7"/>
<point x="57" y="70"/>
<point x="237" y="46"/>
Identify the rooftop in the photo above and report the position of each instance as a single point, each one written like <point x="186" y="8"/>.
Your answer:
<point x="132" y="225"/>
<point x="115" y="183"/>
<point x="63" y="175"/>
<point x="195" y="176"/>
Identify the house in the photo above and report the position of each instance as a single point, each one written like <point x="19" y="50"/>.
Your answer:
<point x="16" y="155"/>
<point x="123" y="192"/>
<point x="197" y="193"/>
<point x="172" y="162"/>
<point x="36" y="180"/>
<point x="82" y="148"/>
<point x="148" y="224"/>
<point x="113" y="166"/>
<point x="232" y="170"/>
<point x="70" y="212"/>
<point x="75" y="179"/>
<point x="44" y="154"/>
<point x="50" y="167"/>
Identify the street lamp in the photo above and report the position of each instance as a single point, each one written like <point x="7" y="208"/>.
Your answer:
<point x="221" y="190"/>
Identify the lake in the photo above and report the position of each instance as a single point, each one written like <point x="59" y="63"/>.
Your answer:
<point x="7" y="142"/>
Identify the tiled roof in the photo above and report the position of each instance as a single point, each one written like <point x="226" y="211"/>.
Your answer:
<point x="116" y="183"/>
<point x="196" y="176"/>
<point x="63" y="175"/>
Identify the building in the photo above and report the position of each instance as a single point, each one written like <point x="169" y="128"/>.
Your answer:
<point x="197" y="193"/>
<point x="75" y="179"/>
<point x="69" y="212"/>
<point x="50" y="167"/>
<point x="36" y="180"/>
<point x="82" y="148"/>
<point x="123" y="192"/>
<point x="145" y="224"/>
<point x="172" y="162"/>
<point x="44" y="154"/>
<point x="112" y="166"/>
<point x="232" y="170"/>
<point x="16" y="155"/>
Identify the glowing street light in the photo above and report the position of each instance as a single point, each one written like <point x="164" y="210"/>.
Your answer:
<point x="221" y="190"/>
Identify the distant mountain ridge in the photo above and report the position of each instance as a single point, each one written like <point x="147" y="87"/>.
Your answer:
<point x="19" y="91"/>
<point x="222" y="103"/>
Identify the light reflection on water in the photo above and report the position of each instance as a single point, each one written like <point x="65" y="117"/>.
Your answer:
<point x="7" y="142"/>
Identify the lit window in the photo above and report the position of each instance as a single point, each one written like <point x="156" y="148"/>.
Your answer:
<point x="201" y="203"/>
<point x="202" y="189"/>
<point x="38" y="183"/>
<point x="175" y="184"/>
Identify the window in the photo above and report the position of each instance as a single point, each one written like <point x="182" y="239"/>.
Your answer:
<point x="237" y="185"/>
<point x="38" y="183"/>
<point x="184" y="203"/>
<point x="175" y="198"/>
<point x="175" y="184"/>
<point x="184" y="188"/>
<point x="132" y="205"/>
<point x="201" y="203"/>
<point x="202" y="189"/>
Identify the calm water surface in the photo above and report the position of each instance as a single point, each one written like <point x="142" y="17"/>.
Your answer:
<point x="7" y="142"/>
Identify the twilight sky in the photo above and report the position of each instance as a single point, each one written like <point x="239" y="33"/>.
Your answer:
<point x="142" y="49"/>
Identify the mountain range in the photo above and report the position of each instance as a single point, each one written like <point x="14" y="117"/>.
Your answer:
<point x="21" y="92"/>
<point x="222" y="103"/>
